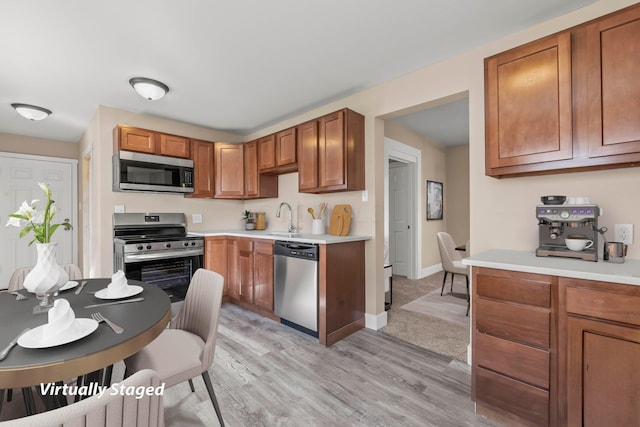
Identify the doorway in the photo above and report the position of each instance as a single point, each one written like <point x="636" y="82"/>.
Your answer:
<point x="402" y="201"/>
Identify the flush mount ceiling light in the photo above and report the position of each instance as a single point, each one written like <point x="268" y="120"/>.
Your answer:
<point x="31" y="112"/>
<point x="148" y="88"/>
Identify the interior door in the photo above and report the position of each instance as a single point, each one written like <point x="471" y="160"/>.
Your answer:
<point x="19" y="175"/>
<point x="399" y="218"/>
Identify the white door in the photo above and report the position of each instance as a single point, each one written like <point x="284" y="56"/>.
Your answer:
<point x="399" y="217"/>
<point x="19" y="177"/>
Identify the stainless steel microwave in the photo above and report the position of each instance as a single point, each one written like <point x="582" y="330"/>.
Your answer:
<point x="151" y="173"/>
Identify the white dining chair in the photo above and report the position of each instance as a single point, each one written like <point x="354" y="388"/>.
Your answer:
<point x="186" y="349"/>
<point x="109" y="410"/>
<point x="451" y="262"/>
<point x="16" y="282"/>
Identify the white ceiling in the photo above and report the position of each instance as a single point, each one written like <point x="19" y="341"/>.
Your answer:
<point x="236" y="66"/>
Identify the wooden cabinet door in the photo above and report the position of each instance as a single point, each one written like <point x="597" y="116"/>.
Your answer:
<point x="174" y="146"/>
<point x="603" y="370"/>
<point x="233" y="269"/>
<point x="252" y="189"/>
<point x="528" y="104"/>
<point x="245" y="270"/>
<point x="613" y="84"/>
<point x="286" y="147"/>
<point x="229" y="170"/>
<point x="216" y="257"/>
<point x="135" y="139"/>
<point x="267" y="152"/>
<point x="263" y="274"/>
<point x="308" y="155"/>
<point x="331" y="151"/>
<point x="202" y="156"/>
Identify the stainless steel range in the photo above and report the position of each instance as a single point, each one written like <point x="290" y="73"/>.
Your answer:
<point x="156" y="249"/>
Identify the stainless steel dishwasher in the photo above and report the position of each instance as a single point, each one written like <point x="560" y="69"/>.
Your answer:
<point x="296" y="285"/>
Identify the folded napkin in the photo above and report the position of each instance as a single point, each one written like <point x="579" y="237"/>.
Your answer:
<point x="61" y="318"/>
<point x="118" y="285"/>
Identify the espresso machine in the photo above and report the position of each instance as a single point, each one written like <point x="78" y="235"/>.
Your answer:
<point x="559" y="222"/>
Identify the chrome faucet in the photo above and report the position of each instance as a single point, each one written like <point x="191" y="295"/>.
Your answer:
<point x="291" y="227"/>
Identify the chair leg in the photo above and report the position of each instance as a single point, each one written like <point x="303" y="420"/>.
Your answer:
<point x="191" y="385"/>
<point x="9" y="394"/>
<point x="29" y="402"/>
<point x="444" y="279"/>
<point x="212" y="395"/>
<point x="468" y="295"/>
<point x="452" y="276"/>
<point x="1" y="398"/>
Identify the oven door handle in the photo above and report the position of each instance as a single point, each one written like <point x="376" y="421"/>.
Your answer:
<point x="183" y="253"/>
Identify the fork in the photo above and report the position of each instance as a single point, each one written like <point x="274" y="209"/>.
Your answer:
<point x="19" y="296"/>
<point x="100" y="318"/>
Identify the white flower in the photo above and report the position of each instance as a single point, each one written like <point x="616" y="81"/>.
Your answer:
<point x="14" y="222"/>
<point x="45" y="187"/>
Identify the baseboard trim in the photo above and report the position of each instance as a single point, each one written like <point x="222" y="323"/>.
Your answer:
<point x="375" y="321"/>
<point x="433" y="269"/>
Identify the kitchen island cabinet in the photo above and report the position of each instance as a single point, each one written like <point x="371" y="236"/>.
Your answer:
<point x="247" y="265"/>
<point x="558" y="332"/>
<point x="567" y="102"/>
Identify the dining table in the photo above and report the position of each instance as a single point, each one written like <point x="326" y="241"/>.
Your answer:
<point x="142" y="322"/>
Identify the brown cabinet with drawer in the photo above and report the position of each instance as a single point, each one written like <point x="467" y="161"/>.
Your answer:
<point x="513" y="338"/>
<point x="600" y="324"/>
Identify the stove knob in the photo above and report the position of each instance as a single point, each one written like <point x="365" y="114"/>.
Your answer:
<point x="139" y="247"/>
<point x="186" y="243"/>
<point x="564" y="214"/>
<point x="148" y="246"/>
<point x="167" y="245"/>
<point x="193" y="243"/>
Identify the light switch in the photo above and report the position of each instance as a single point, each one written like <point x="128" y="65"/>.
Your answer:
<point x="365" y="195"/>
<point x="118" y="209"/>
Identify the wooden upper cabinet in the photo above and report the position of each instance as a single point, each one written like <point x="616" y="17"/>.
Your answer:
<point x="308" y="156"/>
<point x="202" y="156"/>
<point x="286" y="148"/>
<point x="229" y="170"/>
<point x="251" y="169"/>
<point x="128" y="138"/>
<point x="338" y="150"/>
<point x="613" y="55"/>
<point x="174" y="146"/>
<point x="528" y="104"/>
<point x="267" y="152"/>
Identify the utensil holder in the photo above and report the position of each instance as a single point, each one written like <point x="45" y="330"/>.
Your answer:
<point x="317" y="227"/>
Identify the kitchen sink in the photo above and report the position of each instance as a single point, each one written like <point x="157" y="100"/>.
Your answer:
<point x="284" y="234"/>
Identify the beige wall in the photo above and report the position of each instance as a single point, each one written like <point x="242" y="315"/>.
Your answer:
<point x="456" y="193"/>
<point x="37" y="146"/>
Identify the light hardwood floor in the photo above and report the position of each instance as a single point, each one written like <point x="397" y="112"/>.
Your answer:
<point x="267" y="374"/>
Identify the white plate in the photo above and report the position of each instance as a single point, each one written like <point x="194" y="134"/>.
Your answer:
<point x="131" y="291"/>
<point x="69" y="285"/>
<point x="35" y="338"/>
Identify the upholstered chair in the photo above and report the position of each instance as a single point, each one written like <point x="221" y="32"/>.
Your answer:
<point x="109" y="410"/>
<point x="186" y="349"/>
<point x="451" y="262"/>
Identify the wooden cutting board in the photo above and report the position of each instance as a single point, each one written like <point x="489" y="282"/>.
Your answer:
<point x="340" y="220"/>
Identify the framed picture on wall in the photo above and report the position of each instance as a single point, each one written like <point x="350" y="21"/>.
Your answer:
<point x="434" y="200"/>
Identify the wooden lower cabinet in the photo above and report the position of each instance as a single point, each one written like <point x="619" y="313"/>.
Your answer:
<point x="216" y="256"/>
<point x="602" y="354"/>
<point x="555" y="351"/>
<point x="513" y="338"/>
<point x="263" y="274"/>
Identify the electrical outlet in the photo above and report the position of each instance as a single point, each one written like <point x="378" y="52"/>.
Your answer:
<point x="624" y="233"/>
<point x="196" y="218"/>
<point x="365" y="195"/>
<point x="118" y="208"/>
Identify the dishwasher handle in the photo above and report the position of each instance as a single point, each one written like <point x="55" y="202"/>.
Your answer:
<point x="296" y="250"/>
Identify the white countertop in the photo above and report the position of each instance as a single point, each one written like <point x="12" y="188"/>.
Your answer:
<point x="527" y="262"/>
<point x="282" y="235"/>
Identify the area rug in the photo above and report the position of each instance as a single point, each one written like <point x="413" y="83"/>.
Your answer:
<point x="450" y="307"/>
